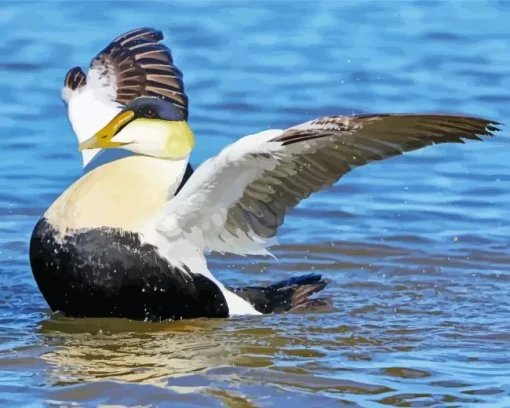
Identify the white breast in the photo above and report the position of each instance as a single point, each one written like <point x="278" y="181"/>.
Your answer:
<point x="121" y="194"/>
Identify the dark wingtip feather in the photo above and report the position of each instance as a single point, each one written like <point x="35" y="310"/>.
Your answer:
<point x="301" y="295"/>
<point x="313" y="303"/>
<point x="285" y="296"/>
<point x="298" y="280"/>
<point x="478" y="126"/>
<point x="493" y="127"/>
<point x="142" y="33"/>
<point x="75" y="78"/>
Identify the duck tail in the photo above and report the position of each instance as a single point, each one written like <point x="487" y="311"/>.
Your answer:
<point x="286" y="295"/>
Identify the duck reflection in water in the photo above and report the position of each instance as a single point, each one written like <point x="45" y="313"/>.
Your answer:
<point x="129" y="351"/>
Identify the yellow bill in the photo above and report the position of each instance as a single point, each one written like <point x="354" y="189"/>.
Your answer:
<point x="103" y="138"/>
<point x="172" y="139"/>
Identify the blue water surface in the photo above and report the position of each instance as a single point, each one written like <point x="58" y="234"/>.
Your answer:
<point x="416" y="248"/>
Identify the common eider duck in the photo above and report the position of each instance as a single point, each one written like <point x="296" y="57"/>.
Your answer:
<point x="120" y="243"/>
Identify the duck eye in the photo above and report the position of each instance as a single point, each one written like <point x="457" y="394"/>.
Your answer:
<point x="149" y="112"/>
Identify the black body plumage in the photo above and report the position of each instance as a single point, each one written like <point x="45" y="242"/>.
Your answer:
<point x="110" y="273"/>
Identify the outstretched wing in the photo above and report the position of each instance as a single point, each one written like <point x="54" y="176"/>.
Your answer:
<point x="236" y="201"/>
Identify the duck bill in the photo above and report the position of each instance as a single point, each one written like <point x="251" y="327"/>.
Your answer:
<point x="103" y="138"/>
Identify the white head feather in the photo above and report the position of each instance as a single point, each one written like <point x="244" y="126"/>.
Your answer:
<point x="91" y="107"/>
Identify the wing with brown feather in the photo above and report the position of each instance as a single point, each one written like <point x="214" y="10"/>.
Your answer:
<point x="259" y="178"/>
<point x="135" y="64"/>
<point x="75" y="78"/>
<point x="337" y="145"/>
<point x="141" y="66"/>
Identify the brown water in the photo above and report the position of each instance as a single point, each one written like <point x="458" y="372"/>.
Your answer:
<point x="416" y="248"/>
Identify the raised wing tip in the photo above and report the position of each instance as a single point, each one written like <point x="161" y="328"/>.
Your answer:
<point x="474" y="128"/>
<point x="74" y="77"/>
<point x="143" y="33"/>
<point x="477" y="125"/>
<point x="488" y="127"/>
<point x="493" y="127"/>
